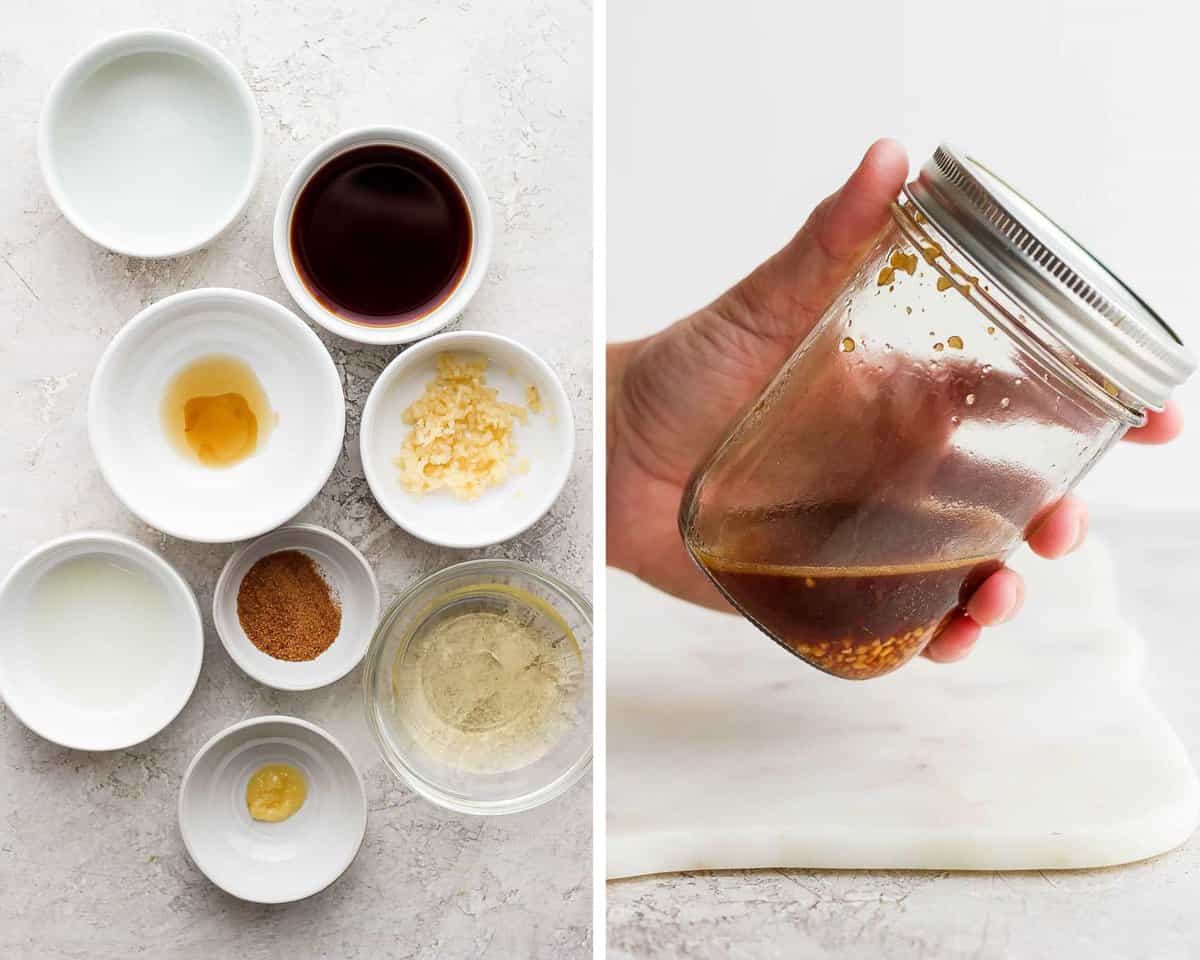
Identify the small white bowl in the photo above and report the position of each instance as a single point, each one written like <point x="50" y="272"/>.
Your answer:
<point x="150" y="143"/>
<point x="272" y="862"/>
<point x="481" y="234"/>
<point x="546" y="442"/>
<point x="26" y="682"/>
<point x="177" y="494"/>
<point x="353" y="582"/>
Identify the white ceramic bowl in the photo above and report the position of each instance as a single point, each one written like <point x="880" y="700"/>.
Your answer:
<point x="481" y="234"/>
<point x="150" y="143"/>
<point x="353" y="582"/>
<point x="272" y="862"/>
<point x="27" y="682"/>
<point x="546" y="442"/>
<point x="175" y="493"/>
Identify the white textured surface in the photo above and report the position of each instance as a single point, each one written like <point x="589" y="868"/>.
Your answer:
<point x="91" y="863"/>
<point x="1042" y="751"/>
<point x="1144" y="909"/>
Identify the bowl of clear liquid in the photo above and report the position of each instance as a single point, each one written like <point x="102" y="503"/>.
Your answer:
<point x="101" y="641"/>
<point x="478" y="687"/>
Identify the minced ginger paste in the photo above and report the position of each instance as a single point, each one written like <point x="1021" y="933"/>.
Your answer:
<point x="461" y="436"/>
<point x="275" y="792"/>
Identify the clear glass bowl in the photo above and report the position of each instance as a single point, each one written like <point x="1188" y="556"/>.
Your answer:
<point x="453" y="742"/>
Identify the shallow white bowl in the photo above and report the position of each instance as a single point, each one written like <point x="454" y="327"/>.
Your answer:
<point x="481" y="234"/>
<point x="175" y="493"/>
<point x="353" y="582"/>
<point x="32" y="696"/>
<point x="150" y="143"/>
<point x="547" y="442"/>
<point x="272" y="862"/>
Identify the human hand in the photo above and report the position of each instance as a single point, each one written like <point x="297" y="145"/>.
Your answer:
<point x="672" y="396"/>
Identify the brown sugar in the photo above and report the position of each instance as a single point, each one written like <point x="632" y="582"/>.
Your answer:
<point x="286" y="607"/>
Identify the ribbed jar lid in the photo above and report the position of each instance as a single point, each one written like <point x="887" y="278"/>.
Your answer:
<point x="1095" y="317"/>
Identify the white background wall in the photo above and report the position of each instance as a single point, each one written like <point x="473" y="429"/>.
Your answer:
<point x="728" y="122"/>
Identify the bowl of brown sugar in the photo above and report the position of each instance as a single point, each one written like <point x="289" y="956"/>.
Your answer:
<point x="296" y="608"/>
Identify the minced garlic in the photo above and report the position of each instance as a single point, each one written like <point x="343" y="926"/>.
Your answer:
<point x="462" y="435"/>
<point x="533" y="399"/>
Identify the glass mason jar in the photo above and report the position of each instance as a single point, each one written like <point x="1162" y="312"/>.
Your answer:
<point x="975" y="367"/>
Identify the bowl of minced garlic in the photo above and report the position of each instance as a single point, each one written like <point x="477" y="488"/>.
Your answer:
<point x="460" y="435"/>
<point x="467" y="439"/>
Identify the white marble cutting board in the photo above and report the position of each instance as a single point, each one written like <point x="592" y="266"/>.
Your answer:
<point x="1040" y="751"/>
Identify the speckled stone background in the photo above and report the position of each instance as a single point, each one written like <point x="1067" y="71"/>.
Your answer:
<point x="91" y="863"/>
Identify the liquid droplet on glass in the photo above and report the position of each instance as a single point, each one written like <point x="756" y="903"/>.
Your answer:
<point x="848" y="345"/>
<point x="939" y="346"/>
<point x="955" y="421"/>
<point x="1004" y="402"/>
<point x="954" y="342"/>
<point x="904" y="261"/>
<point x="987" y="368"/>
<point x="970" y="399"/>
<point x="1017" y="382"/>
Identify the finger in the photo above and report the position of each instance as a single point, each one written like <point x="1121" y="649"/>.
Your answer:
<point x="997" y="599"/>
<point x="786" y="295"/>
<point x="1062" y="530"/>
<point x="862" y="207"/>
<point x="1160" y="427"/>
<point x="955" y="641"/>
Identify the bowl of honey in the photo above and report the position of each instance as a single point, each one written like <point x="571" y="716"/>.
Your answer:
<point x="383" y="234"/>
<point x="216" y="415"/>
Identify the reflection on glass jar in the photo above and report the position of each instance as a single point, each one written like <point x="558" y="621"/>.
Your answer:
<point x="969" y="374"/>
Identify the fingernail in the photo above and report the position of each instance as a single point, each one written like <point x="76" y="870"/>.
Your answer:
<point x="1018" y="601"/>
<point x="1080" y="533"/>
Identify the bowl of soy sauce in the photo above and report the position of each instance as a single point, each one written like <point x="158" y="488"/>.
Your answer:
<point x="383" y="234"/>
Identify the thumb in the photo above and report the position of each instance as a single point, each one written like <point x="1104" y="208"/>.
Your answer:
<point x="784" y="296"/>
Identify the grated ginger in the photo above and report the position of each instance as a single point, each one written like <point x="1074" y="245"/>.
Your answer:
<point x="462" y="435"/>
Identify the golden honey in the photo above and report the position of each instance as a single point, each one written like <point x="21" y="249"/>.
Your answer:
<point x="216" y="412"/>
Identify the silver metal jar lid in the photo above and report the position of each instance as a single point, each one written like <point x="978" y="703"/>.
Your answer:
<point x="1095" y="317"/>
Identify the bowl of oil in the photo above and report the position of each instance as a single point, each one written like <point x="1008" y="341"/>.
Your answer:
<point x="272" y="809"/>
<point x="101" y="641"/>
<point x="216" y="415"/>
<point x="477" y="687"/>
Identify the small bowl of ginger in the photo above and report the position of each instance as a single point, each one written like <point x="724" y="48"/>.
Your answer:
<point x="467" y="439"/>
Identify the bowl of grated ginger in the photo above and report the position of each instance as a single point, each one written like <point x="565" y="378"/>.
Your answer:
<point x="467" y="439"/>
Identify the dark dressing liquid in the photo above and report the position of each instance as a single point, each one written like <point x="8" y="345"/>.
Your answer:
<point x="381" y="235"/>
<point x="852" y="621"/>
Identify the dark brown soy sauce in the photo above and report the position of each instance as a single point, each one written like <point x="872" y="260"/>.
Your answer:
<point x="381" y="235"/>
